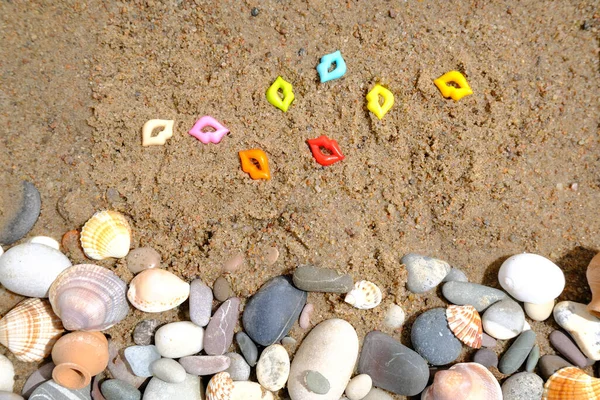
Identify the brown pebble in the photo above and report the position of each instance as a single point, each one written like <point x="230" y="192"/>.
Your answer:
<point x="232" y="265"/>
<point x="72" y="245"/>
<point x="222" y="289"/>
<point x="271" y="255"/>
<point x="142" y="258"/>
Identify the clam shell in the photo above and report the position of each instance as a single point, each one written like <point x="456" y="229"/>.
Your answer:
<point x="157" y="290"/>
<point x="465" y="323"/>
<point x="571" y="383"/>
<point x="30" y="330"/>
<point x="89" y="298"/>
<point x="219" y="387"/>
<point x="464" y="381"/>
<point x="364" y="296"/>
<point x="107" y="234"/>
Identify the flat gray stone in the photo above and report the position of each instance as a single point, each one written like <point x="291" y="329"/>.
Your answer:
<point x="201" y="298"/>
<point x="517" y="353"/>
<point x="424" y="273"/>
<point x="456" y="275"/>
<point x="238" y="370"/>
<point x="532" y="359"/>
<point x="168" y="370"/>
<point x="21" y="205"/>
<point x="140" y="358"/>
<point x="325" y="280"/>
<point x="218" y="335"/>
<point x="51" y="390"/>
<point x="550" y="363"/>
<point x="432" y="338"/>
<point x="316" y="382"/>
<point x="204" y="365"/>
<point x="39" y="376"/>
<point x="190" y="389"/>
<point x="479" y="296"/>
<point x="247" y="347"/>
<point x="503" y="320"/>
<point x="115" y="389"/>
<point x="144" y="331"/>
<point x="486" y="357"/>
<point x="523" y="386"/>
<point x="568" y="349"/>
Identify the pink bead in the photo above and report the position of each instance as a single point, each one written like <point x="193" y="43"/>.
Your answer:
<point x="215" y="136"/>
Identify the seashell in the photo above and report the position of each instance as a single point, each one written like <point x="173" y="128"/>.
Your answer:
<point x="107" y="234"/>
<point x="219" y="387"/>
<point x="465" y="381"/>
<point x="30" y="330"/>
<point x="364" y="296"/>
<point x="593" y="278"/>
<point x="89" y="298"/>
<point x="465" y="323"/>
<point x="571" y="383"/>
<point x="157" y="290"/>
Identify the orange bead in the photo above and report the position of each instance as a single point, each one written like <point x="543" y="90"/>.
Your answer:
<point x="249" y="160"/>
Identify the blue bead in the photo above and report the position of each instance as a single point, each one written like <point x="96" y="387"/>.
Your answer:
<point x="326" y="62"/>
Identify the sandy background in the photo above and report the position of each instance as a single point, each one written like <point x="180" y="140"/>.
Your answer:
<point x="515" y="167"/>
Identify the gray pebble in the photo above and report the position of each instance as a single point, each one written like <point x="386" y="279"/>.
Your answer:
<point x="432" y="338"/>
<point x="142" y="258"/>
<point x="144" y="331"/>
<point x="238" y="370"/>
<point x="532" y="359"/>
<point x="201" y="298"/>
<point x="456" y="275"/>
<point x="21" y="205"/>
<point x="41" y="375"/>
<point x="51" y="390"/>
<point x="424" y="273"/>
<point x="568" y="349"/>
<point x="254" y="12"/>
<point x="488" y="341"/>
<point x="517" y="353"/>
<point x="190" y="389"/>
<point x="378" y="394"/>
<point x="204" y="365"/>
<point x="168" y="370"/>
<point x="247" y="347"/>
<point x="479" y="296"/>
<point x="523" y="386"/>
<point x="550" y="363"/>
<point x="314" y="279"/>
<point x="504" y="319"/>
<point x="316" y="382"/>
<point x="140" y="358"/>
<point x="115" y="389"/>
<point x="486" y="357"/>
<point x="9" y="396"/>
<point x="219" y="332"/>
<point x="222" y="289"/>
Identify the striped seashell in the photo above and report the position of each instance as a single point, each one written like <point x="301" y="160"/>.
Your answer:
<point x="364" y="296"/>
<point x="571" y="383"/>
<point x="30" y="330"/>
<point x="465" y="323"/>
<point x="465" y="381"/>
<point x="107" y="234"/>
<point x="219" y="387"/>
<point x="156" y="290"/>
<point x="89" y="298"/>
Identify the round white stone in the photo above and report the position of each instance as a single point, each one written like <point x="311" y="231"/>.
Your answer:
<point x="539" y="312"/>
<point x="7" y="374"/>
<point x="246" y="390"/>
<point x="45" y="240"/>
<point x="395" y="316"/>
<point x="273" y="367"/>
<point x="179" y="339"/>
<point x="359" y="387"/>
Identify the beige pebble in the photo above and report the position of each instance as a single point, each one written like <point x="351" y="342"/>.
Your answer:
<point x="233" y="264"/>
<point x="271" y="255"/>
<point x="539" y="312"/>
<point x="222" y="289"/>
<point x="142" y="258"/>
<point x="273" y="367"/>
<point x="359" y="387"/>
<point x="395" y="316"/>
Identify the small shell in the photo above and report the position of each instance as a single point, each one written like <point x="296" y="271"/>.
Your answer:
<point x="157" y="290"/>
<point x="30" y="330"/>
<point x="219" y="387"/>
<point x="89" y="298"/>
<point x="107" y="234"/>
<point x="364" y="296"/>
<point x="465" y="381"/>
<point x="465" y="323"/>
<point x="571" y="383"/>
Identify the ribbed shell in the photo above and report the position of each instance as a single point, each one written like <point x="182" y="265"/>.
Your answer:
<point x="30" y="330"/>
<point x="107" y="234"/>
<point x="157" y="290"/>
<point x="571" y="383"/>
<point x="89" y="298"/>
<point x="364" y="296"/>
<point x="219" y="387"/>
<point x="465" y="323"/>
<point x="464" y="381"/>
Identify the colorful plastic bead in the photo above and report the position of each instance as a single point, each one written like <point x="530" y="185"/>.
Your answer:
<point x="458" y="93"/>
<point x="373" y="101"/>
<point x="326" y="143"/>
<point x="326" y="62"/>
<point x="215" y="136"/>
<point x="287" y="91"/>
<point x="162" y="136"/>
<point x="249" y="158"/>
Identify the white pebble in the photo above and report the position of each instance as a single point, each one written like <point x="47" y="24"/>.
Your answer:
<point x="45" y="240"/>
<point x="7" y="374"/>
<point x="359" y="387"/>
<point x="179" y="339"/>
<point x="246" y="390"/>
<point x="273" y="367"/>
<point x="395" y="316"/>
<point x="378" y="394"/>
<point x="539" y="312"/>
<point x="1" y="250"/>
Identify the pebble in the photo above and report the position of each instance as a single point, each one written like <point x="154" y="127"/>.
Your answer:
<point x="168" y="370"/>
<point x="532" y="359"/>
<point x="238" y="370"/>
<point x="568" y="349"/>
<point x="39" y="376"/>
<point x="29" y="269"/>
<point x="539" y="312"/>
<point x="394" y="317"/>
<point x="204" y="365"/>
<point x="20" y="212"/>
<point x="190" y="389"/>
<point x="392" y="366"/>
<point x="7" y="374"/>
<point x="142" y="258"/>
<point x="488" y="341"/>
<point x="115" y="389"/>
<point x="523" y="386"/>
<point x="486" y="357"/>
<point x="273" y="367"/>
<point x="233" y="264"/>
<point x="550" y="363"/>
<point x="9" y="396"/>
<point x="358" y="387"/>
<point x="330" y="348"/>
<point x="271" y="312"/>
<point x="96" y="393"/>
<point x="179" y="339"/>
<point x="304" y="320"/>
<point x="144" y="331"/>
<point x="424" y="273"/>
<point x="432" y="338"/>
<point x="254" y="12"/>
<point x="119" y="369"/>
<point x="580" y="324"/>
<point x="479" y="296"/>
<point x="504" y="319"/>
<point x="377" y="394"/>
<point x="245" y="390"/>
<point x="456" y="275"/>
<point x="517" y="353"/>
<point x="325" y="280"/>
<point x="51" y="390"/>
<point x="201" y="298"/>
<point x="316" y="383"/>
<point x="271" y="255"/>
<point x="140" y="358"/>
<point x="222" y="289"/>
<point x="247" y="347"/>
<point x="289" y="343"/>
<point x="45" y="240"/>
<point x="219" y="332"/>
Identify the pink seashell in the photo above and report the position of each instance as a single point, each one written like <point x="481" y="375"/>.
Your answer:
<point x="465" y="323"/>
<point x="464" y="381"/>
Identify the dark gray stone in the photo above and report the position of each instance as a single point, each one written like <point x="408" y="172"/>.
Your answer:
<point x="316" y="382"/>
<point x="486" y="357"/>
<point x="432" y="338"/>
<point x="532" y="359"/>
<point x="550" y="363"/>
<point x="218" y="335"/>
<point x="523" y="386"/>
<point x="247" y="347"/>
<point x="424" y="273"/>
<point x="115" y="389"/>
<point x="21" y="211"/>
<point x="325" y="280"/>
<point x="568" y="349"/>
<point x="479" y="296"/>
<point x="144" y="332"/>
<point x="201" y="298"/>
<point x="41" y="375"/>
<point x="51" y="390"/>
<point x="517" y="353"/>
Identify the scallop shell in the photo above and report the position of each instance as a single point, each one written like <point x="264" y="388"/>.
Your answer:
<point x="157" y="290"/>
<point x="219" y="387"/>
<point x="107" y="234"/>
<point x="465" y="323"/>
<point x="89" y="298"/>
<point x="30" y="330"/>
<point x="464" y="381"/>
<point x="364" y="296"/>
<point x="571" y="383"/>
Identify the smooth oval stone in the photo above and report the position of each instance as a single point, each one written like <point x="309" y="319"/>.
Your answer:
<point x="532" y="359"/>
<point x="144" y="332"/>
<point x="142" y="258"/>
<point x="395" y="317"/>
<point x="539" y="312"/>
<point x="271" y="312"/>
<point x="7" y="374"/>
<point x="45" y="240"/>
<point x="204" y="365"/>
<point x="190" y="389"/>
<point x="238" y="370"/>
<point x="218" y="335"/>
<point x="392" y="366"/>
<point x="20" y="205"/>
<point x="432" y="338"/>
<point x="51" y="390"/>
<point x="550" y="363"/>
<point x="245" y="390"/>
<point x="583" y="327"/>
<point x="201" y="298"/>
<point x="517" y="353"/>
<point x="119" y="368"/>
<point x="523" y="386"/>
<point x="331" y="349"/>
<point x="325" y="280"/>
<point x="486" y="357"/>
<point x="115" y="389"/>
<point x="304" y="320"/>
<point x="478" y="296"/>
<point x="29" y="269"/>
<point x="568" y="349"/>
<point x="168" y="370"/>
<point x="222" y="289"/>
<point x="10" y="396"/>
<point x="359" y="387"/>
<point x="41" y="375"/>
<point x="504" y="319"/>
<point x="456" y="275"/>
<point x="247" y="347"/>
<point x="316" y="383"/>
<point x="140" y="358"/>
<point x="377" y="394"/>
<point x="179" y="339"/>
<point x="424" y="273"/>
<point x="273" y="368"/>
<point x="488" y="341"/>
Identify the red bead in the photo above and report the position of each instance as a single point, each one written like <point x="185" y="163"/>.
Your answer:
<point x="329" y="144"/>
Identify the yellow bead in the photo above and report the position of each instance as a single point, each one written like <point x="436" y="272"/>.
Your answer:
<point x="450" y="91"/>
<point x="273" y="95"/>
<point x="373" y="101"/>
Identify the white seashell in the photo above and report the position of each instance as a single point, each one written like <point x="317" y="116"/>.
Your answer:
<point x="157" y="290"/>
<point x="273" y="367"/>
<point x="531" y="278"/>
<point x="246" y="390"/>
<point x="364" y="296"/>
<point x="107" y="234"/>
<point x="45" y="240"/>
<point x="219" y="387"/>
<point x="89" y="298"/>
